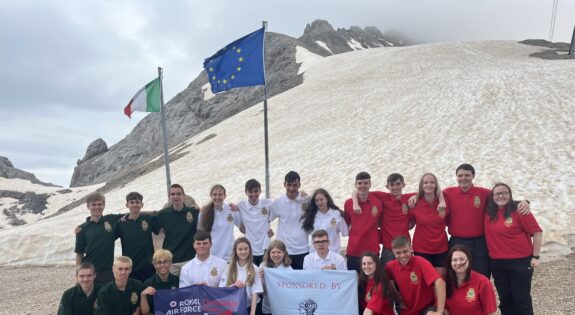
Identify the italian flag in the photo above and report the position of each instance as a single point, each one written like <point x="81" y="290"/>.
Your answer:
<point x="146" y="100"/>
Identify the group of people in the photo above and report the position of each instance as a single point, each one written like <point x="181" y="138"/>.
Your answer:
<point x="490" y="234"/>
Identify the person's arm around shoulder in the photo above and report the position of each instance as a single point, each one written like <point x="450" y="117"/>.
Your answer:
<point x="523" y="207"/>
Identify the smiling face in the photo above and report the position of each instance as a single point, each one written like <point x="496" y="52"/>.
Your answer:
<point x="459" y="262"/>
<point x="135" y="206"/>
<point x="85" y="278"/>
<point x="395" y="188"/>
<point x="464" y="179"/>
<point x="162" y="266"/>
<point x="403" y="254"/>
<point x="501" y="196"/>
<point x="253" y="195"/>
<point x="177" y="197"/>
<point x="321" y="245"/>
<point x="277" y="256"/>
<point x="218" y="195"/>
<point x="203" y="248"/>
<point x="429" y="185"/>
<point x="292" y="189"/>
<point x="368" y="266"/>
<point x="121" y="273"/>
<point x="243" y="251"/>
<point x="321" y="202"/>
<point x="96" y="209"/>
<point x="362" y="186"/>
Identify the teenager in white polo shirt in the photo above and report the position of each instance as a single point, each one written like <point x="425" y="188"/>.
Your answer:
<point x="323" y="214"/>
<point x="204" y="269"/>
<point x="254" y="215"/>
<point x="218" y="219"/>
<point x="323" y="258"/>
<point x="288" y="209"/>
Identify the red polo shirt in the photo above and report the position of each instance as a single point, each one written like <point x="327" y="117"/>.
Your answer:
<point x="363" y="227"/>
<point x="510" y="238"/>
<point x="375" y="301"/>
<point x="475" y="297"/>
<point x="415" y="282"/>
<point x="429" y="236"/>
<point x="466" y="210"/>
<point x="395" y="219"/>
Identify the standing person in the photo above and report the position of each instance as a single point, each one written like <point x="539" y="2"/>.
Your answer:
<point x="323" y="214"/>
<point x="514" y="243"/>
<point x="81" y="298"/>
<point x="363" y="224"/>
<point x="122" y="296"/>
<point x="205" y="268"/>
<point x="420" y="286"/>
<point x="254" y="214"/>
<point x="218" y="219"/>
<point x="467" y="292"/>
<point x="376" y="292"/>
<point x="288" y="209"/>
<point x="276" y="257"/>
<point x="430" y="238"/>
<point x="95" y="238"/>
<point x="135" y="234"/>
<point x="162" y="280"/>
<point x="179" y="223"/>
<point x="323" y="258"/>
<point x="241" y="273"/>
<point x="466" y="204"/>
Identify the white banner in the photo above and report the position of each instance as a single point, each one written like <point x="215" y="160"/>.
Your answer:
<point x="311" y="292"/>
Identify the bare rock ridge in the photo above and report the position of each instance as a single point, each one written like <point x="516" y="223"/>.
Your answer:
<point x="7" y="170"/>
<point x="190" y="112"/>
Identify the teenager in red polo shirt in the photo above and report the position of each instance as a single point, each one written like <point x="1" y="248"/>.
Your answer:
<point x="420" y="286"/>
<point x="430" y="238"/>
<point x="375" y="291"/>
<point x="395" y="219"/>
<point x="363" y="225"/>
<point x="467" y="204"/>
<point x="468" y="292"/>
<point x="514" y="243"/>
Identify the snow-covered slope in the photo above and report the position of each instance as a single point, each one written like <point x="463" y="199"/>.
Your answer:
<point x="409" y="110"/>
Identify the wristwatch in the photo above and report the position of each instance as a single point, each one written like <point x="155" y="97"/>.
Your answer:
<point x="536" y="257"/>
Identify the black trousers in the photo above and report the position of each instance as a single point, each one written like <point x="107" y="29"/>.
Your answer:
<point x="353" y="263"/>
<point x="478" y="248"/>
<point x="513" y="283"/>
<point x="297" y="261"/>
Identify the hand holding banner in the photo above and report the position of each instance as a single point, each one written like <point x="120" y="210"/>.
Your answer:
<point x="201" y="300"/>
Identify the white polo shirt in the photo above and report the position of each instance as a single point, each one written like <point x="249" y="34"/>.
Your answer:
<point x="289" y="224"/>
<point x="266" y="308"/>
<point x="209" y="271"/>
<point x="333" y="260"/>
<point x="223" y="231"/>
<point x="334" y="224"/>
<point x="255" y="288"/>
<point x="256" y="222"/>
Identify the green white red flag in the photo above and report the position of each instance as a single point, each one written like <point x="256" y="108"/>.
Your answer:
<point x="146" y="100"/>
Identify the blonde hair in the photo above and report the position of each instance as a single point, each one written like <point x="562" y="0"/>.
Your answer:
<point x="122" y="259"/>
<point x="233" y="272"/>
<point x="162" y="254"/>
<point x="281" y="246"/>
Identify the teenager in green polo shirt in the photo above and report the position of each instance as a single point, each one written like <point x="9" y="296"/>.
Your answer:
<point x="162" y="280"/>
<point x="95" y="238"/>
<point x="180" y="224"/>
<point x="81" y="298"/>
<point x="135" y="232"/>
<point x="122" y="296"/>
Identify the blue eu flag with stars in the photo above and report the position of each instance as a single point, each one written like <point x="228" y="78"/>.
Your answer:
<point x="241" y="63"/>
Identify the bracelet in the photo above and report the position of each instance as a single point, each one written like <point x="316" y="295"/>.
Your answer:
<point x="536" y="257"/>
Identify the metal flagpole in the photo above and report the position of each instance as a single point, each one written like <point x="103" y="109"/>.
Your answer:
<point x="265" y="25"/>
<point x="164" y="133"/>
<point x="572" y="47"/>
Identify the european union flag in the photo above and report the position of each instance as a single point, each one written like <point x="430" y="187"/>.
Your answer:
<point x="240" y="63"/>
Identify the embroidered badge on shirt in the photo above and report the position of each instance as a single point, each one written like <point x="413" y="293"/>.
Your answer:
<point x="470" y="297"/>
<point x="404" y="208"/>
<point x="214" y="272"/>
<point x="374" y="211"/>
<point x="134" y="298"/>
<point x="414" y="279"/>
<point x="107" y="226"/>
<point x="508" y="222"/>
<point x="303" y="207"/>
<point x="189" y="217"/>
<point x="144" y="226"/>
<point x="230" y="218"/>
<point x="333" y="222"/>
<point x="173" y="287"/>
<point x="476" y="202"/>
<point x="265" y="211"/>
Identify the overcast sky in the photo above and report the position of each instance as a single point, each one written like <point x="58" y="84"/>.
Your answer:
<point x="69" y="67"/>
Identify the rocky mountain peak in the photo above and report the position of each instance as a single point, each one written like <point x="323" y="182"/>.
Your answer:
<point x="7" y="170"/>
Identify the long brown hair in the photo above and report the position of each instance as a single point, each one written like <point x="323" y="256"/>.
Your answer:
<point x="449" y="274"/>
<point x="380" y="278"/>
<point x="233" y="271"/>
<point x="308" y="217"/>
<point x="492" y="207"/>
<point x="207" y="219"/>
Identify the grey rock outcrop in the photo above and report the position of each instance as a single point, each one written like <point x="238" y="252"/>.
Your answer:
<point x="28" y="202"/>
<point x="95" y="148"/>
<point x="189" y="112"/>
<point x="7" y="170"/>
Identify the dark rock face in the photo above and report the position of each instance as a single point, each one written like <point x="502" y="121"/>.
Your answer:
<point x="7" y="170"/>
<point x="558" y="50"/>
<point x="188" y="113"/>
<point x="28" y="202"/>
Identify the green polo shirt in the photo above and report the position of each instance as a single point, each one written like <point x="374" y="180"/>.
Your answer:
<point x="136" y="237"/>
<point x="157" y="283"/>
<point x="179" y="228"/>
<point x="75" y="302"/>
<point x="96" y="241"/>
<point x="112" y="301"/>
